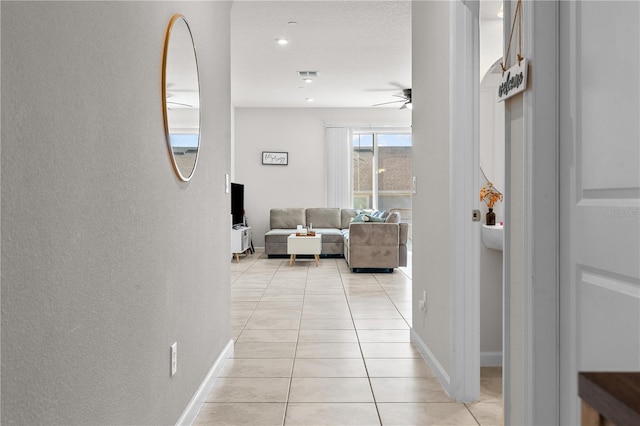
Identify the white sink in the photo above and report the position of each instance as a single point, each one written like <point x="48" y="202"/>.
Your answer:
<point x="493" y="236"/>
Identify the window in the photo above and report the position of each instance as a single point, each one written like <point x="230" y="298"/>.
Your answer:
<point x="383" y="171"/>
<point x="363" y="194"/>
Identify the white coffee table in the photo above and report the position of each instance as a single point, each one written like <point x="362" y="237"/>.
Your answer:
<point x="304" y="245"/>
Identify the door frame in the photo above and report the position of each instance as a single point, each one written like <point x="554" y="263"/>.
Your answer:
<point x="464" y="384"/>
<point x="532" y="371"/>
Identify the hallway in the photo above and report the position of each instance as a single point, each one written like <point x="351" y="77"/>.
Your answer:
<point x="320" y="345"/>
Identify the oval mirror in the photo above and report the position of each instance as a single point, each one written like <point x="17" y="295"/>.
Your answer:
<point x="181" y="97"/>
<point x="491" y="127"/>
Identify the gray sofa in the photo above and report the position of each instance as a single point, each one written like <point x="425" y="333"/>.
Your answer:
<point x="364" y="245"/>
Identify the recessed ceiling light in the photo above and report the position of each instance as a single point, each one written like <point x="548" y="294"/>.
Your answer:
<point x="292" y="23"/>
<point x="309" y="99"/>
<point x="308" y="80"/>
<point x="282" y="41"/>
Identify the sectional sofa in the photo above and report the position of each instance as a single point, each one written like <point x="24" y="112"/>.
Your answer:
<point x="368" y="240"/>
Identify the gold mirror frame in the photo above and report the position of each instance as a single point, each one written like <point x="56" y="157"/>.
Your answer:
<point x="181" y="97"/>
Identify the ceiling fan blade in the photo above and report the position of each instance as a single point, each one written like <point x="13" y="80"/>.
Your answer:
<point x="179" y="103"/>
<point x="395" y="86"/>
<point x="392" y="102"/>
<point x="381" y="90"/>
<point x="398" y="85"/>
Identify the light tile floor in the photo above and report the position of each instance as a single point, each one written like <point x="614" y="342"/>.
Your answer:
<point x="323" y="346"/>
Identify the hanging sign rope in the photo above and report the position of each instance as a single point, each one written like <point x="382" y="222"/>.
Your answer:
<point x="514" y="79"/>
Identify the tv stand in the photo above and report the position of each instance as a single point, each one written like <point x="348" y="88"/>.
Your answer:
<point x="240" y="240"/>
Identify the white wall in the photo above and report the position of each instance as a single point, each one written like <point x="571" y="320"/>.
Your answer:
<point x="107" y="259"/>
<point x="491" y="306"/>
<point x="431" y="250"/>
<point x="301" y="133"/>
<point x="490" y="43"/>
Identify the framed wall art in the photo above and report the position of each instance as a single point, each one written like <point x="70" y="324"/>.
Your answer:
<point x="275" y="158"/>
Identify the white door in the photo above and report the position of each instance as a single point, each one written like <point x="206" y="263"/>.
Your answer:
<point x="599" y="193"/>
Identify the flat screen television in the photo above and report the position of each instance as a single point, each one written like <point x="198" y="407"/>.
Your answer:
<point x="237" y="203"/>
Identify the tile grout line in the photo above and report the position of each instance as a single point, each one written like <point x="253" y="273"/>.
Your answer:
<point x="295" y="352"/>
<point x="244" y="327"/>
<point x="366" y="369"/>
<point x="394" y="303"/>
<point x="471" y="413"/>
<point x="254" y="310"/>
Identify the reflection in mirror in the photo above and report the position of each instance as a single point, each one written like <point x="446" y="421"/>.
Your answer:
<point x="181" y="97"/>
<point x="491" y="124"/>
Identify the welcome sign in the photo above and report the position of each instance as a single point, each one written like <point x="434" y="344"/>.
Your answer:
<point x="514" y="81"/>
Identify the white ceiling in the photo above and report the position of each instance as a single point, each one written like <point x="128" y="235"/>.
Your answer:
<point x="362" y="50"/>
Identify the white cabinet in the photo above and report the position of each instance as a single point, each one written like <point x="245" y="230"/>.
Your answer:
<point x="240" y="240"/>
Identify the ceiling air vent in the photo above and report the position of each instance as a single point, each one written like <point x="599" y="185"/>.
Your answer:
<point x="308" y="74"/>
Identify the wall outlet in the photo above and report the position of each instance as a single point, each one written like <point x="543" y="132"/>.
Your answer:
<point x="422" y="304"/>
<point x="174" y="359"/>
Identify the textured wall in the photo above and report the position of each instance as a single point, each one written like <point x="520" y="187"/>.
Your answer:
<point x="431" y="251"/>
<point x="107" y="258"/>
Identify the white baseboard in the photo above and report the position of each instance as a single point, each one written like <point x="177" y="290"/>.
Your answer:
<point x="193" y="408"/>
<point x="490" y="359"/>
<point x="432" y="361"/>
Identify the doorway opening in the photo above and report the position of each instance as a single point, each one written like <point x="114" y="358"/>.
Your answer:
<point x="491" y="128"/>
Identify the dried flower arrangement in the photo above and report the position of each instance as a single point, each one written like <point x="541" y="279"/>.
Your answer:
<point x="490" y="195"/>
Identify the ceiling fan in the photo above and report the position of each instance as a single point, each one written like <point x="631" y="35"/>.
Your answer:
<point x="406" y="100"/>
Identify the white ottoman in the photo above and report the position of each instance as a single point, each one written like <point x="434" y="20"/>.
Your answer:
<point x="304" y="245"/>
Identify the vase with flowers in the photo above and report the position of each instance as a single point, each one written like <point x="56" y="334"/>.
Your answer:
<point x="490" y="196"/>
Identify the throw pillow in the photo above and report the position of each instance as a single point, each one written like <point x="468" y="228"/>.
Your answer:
<point x="366" y="218"/>
<point x="394" y="217"/>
